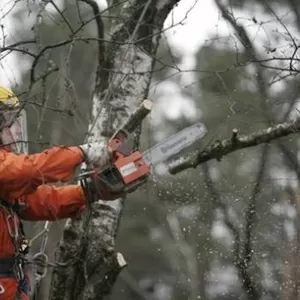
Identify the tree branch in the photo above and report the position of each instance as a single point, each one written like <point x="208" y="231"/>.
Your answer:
<point x="221" y="148"/>
<point x="243" y="261"/>
<point x="17" y="44"/>
<point x="14" y="47"/>
<point x="225" y="147"/>
<point x="103" y="65"/>
<point x="62" y="16"/>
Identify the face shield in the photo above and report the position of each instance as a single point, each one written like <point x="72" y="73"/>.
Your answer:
<point x="13" y="130"/>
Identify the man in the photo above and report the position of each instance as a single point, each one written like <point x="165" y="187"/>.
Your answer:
<point x="25" y="193"/>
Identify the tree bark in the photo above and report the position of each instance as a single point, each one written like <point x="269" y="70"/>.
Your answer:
<point x="87" y="262"/>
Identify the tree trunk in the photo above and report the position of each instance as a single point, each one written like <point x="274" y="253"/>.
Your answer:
<point x="88" y="262"/>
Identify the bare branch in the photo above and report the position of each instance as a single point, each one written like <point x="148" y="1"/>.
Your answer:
<point x="17" y="44"/>
<point x="139" y="114"/>
<point x="221" y="148"/>
<point x="103" y="65"/>
<point x="246" y="255"/>
<point x="99" y="39"/>
<point x="62" y="15"/>
<point x="242" y="251"/>
<point x="24" y="51"/>
<point x="39" y="55"/>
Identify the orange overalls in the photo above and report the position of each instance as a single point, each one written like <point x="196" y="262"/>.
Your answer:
<point x="23" y="180"/>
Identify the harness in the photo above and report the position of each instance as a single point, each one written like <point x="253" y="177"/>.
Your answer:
<point x="14" y="266"/>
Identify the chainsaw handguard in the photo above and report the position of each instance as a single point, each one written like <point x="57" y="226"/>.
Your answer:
<point x="95" y="189"/>
<point x="126" y="173"/>
<point x="110" y="179"/>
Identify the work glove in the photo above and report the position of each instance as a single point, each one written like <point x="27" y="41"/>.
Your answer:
<point x="98" y="154"/>
<point x="95" y="190"/>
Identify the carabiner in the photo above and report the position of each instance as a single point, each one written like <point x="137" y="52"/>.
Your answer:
<point x="44" y="231"/>
<point x="40" y="260"/>
<point x="13" y="232"/>
<point x="18" y="271"/>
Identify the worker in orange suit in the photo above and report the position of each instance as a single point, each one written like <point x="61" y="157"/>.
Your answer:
<point x="25" y="192"/>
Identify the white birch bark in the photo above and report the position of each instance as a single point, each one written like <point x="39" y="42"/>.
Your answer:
<point x="122" y="81"/>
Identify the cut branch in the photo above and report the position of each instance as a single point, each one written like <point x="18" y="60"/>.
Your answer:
<point x="137" y="116"/>
<point x="221" y="148"/>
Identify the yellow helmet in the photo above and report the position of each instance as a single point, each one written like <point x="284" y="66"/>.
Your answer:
<point x="13" y="124"/>
<point x="8" y="100"/>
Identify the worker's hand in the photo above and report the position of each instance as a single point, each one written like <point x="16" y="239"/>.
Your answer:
<point x="95" y="190"/>
<point x="97" y="154"/>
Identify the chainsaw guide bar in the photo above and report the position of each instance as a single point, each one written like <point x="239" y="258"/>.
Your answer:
<point x="174" y="144"/>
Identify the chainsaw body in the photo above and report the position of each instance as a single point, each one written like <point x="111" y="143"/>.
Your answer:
<point x="129" y="169"/>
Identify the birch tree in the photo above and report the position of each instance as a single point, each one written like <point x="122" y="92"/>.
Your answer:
<point x="122" y="79"/>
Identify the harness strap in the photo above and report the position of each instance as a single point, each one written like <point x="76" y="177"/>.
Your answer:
<point x="13" y="266"/>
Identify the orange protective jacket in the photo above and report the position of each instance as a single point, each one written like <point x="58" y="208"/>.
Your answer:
<point x="24" y="178"/>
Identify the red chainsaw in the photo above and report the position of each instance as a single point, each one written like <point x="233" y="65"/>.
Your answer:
<point x="131" y="168"/>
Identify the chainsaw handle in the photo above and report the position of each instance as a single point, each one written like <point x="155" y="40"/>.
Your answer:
<point x="110" y="180"/>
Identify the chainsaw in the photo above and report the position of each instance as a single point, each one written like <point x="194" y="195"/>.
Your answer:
<point x="131" y="168"/>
